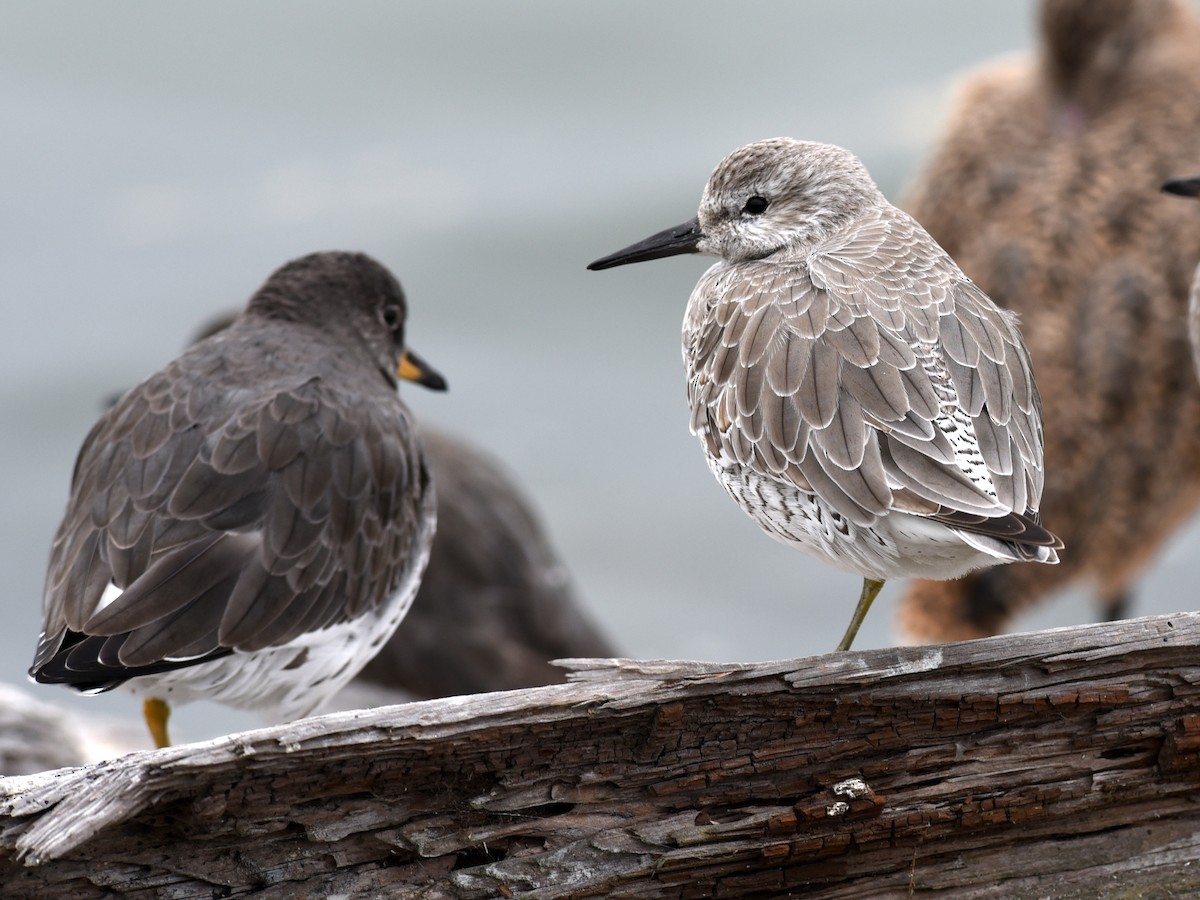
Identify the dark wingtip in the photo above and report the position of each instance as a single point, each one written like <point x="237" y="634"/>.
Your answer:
<point x="1023" y="532"/>
<point x="76" y="662"/>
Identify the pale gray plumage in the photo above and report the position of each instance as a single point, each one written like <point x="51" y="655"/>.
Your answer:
<point x="853" y="390"/>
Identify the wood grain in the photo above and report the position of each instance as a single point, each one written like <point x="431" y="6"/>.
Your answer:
<point x="1062" y="763"/>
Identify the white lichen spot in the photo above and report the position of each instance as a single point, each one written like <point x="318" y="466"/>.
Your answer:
<point x="854" y="788"/>
<point x="921" y="662"/>
<point x="840" y="808"/>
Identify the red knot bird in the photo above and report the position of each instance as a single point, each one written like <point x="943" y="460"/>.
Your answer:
<point x="853" y="391"/>
<point x="1045" y="189"/>
<point x="249" y="524"/>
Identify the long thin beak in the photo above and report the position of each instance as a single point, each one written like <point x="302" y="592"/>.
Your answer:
<point x="1184" y="187"/>
<point x="413" y="368"/>
<point x="671" y="242"/>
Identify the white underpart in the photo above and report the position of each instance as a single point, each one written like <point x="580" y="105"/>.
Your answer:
<point x="296" y="679"/>
<point x="898" y="545"/>
<point x="111" y="593"/>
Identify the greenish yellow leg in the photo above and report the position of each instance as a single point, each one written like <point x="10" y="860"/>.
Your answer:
<point x="870" y="591"/>
<point x="157" y="712"/>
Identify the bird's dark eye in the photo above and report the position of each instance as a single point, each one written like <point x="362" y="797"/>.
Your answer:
<point x="391" y="317"/>
<point x="756" y="205"/>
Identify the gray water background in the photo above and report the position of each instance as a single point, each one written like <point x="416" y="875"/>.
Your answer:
<point x="160" y="160"/>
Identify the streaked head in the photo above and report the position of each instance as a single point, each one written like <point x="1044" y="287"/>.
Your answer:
<point x="762" y="198"/>
<point x="780" y="193"/>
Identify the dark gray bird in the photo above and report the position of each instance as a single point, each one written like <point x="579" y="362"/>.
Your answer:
<point x="496" y="603"/>
<point x="249" y="524"/>
<point x="853" y="391"/>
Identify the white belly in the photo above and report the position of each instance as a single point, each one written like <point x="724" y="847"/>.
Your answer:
<point x="897" y="545"/>
<point x="284" y="682"/>
<point x="296" y="679"/>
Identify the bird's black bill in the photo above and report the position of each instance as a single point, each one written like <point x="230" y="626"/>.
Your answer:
<point x="680" y="239"/>
<point x="1184" y="187"/>
<point x="413" y="368"/>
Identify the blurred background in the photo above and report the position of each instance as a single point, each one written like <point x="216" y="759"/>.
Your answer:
<point x="163" y="159"/>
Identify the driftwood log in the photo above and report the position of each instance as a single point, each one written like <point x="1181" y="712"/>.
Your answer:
<point x="1063" y="763"/>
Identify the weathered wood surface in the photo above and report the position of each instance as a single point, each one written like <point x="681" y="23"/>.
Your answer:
<point x="1063" y="763"/>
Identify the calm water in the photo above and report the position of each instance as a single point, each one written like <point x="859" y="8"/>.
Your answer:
<point x="161" y="160"/>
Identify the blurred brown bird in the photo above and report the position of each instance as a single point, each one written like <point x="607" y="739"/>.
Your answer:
<point x="1045" y="189"/>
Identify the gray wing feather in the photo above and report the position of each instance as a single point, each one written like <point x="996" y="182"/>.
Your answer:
<point x="844" y="441"/>
<point x="879" y="389"/>
<point x="857" y="343"/>
<point x="787" y="367"/>
<point x="817" y="396"/>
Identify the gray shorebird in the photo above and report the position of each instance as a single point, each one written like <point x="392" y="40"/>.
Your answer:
<point x="249" y="524"/>
<point x="853" y="391"/>
<point x="1044" y="187"/>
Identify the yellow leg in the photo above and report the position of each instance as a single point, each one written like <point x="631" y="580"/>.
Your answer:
<point x="870" y="591"/>
<point x="157" y="712"/>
